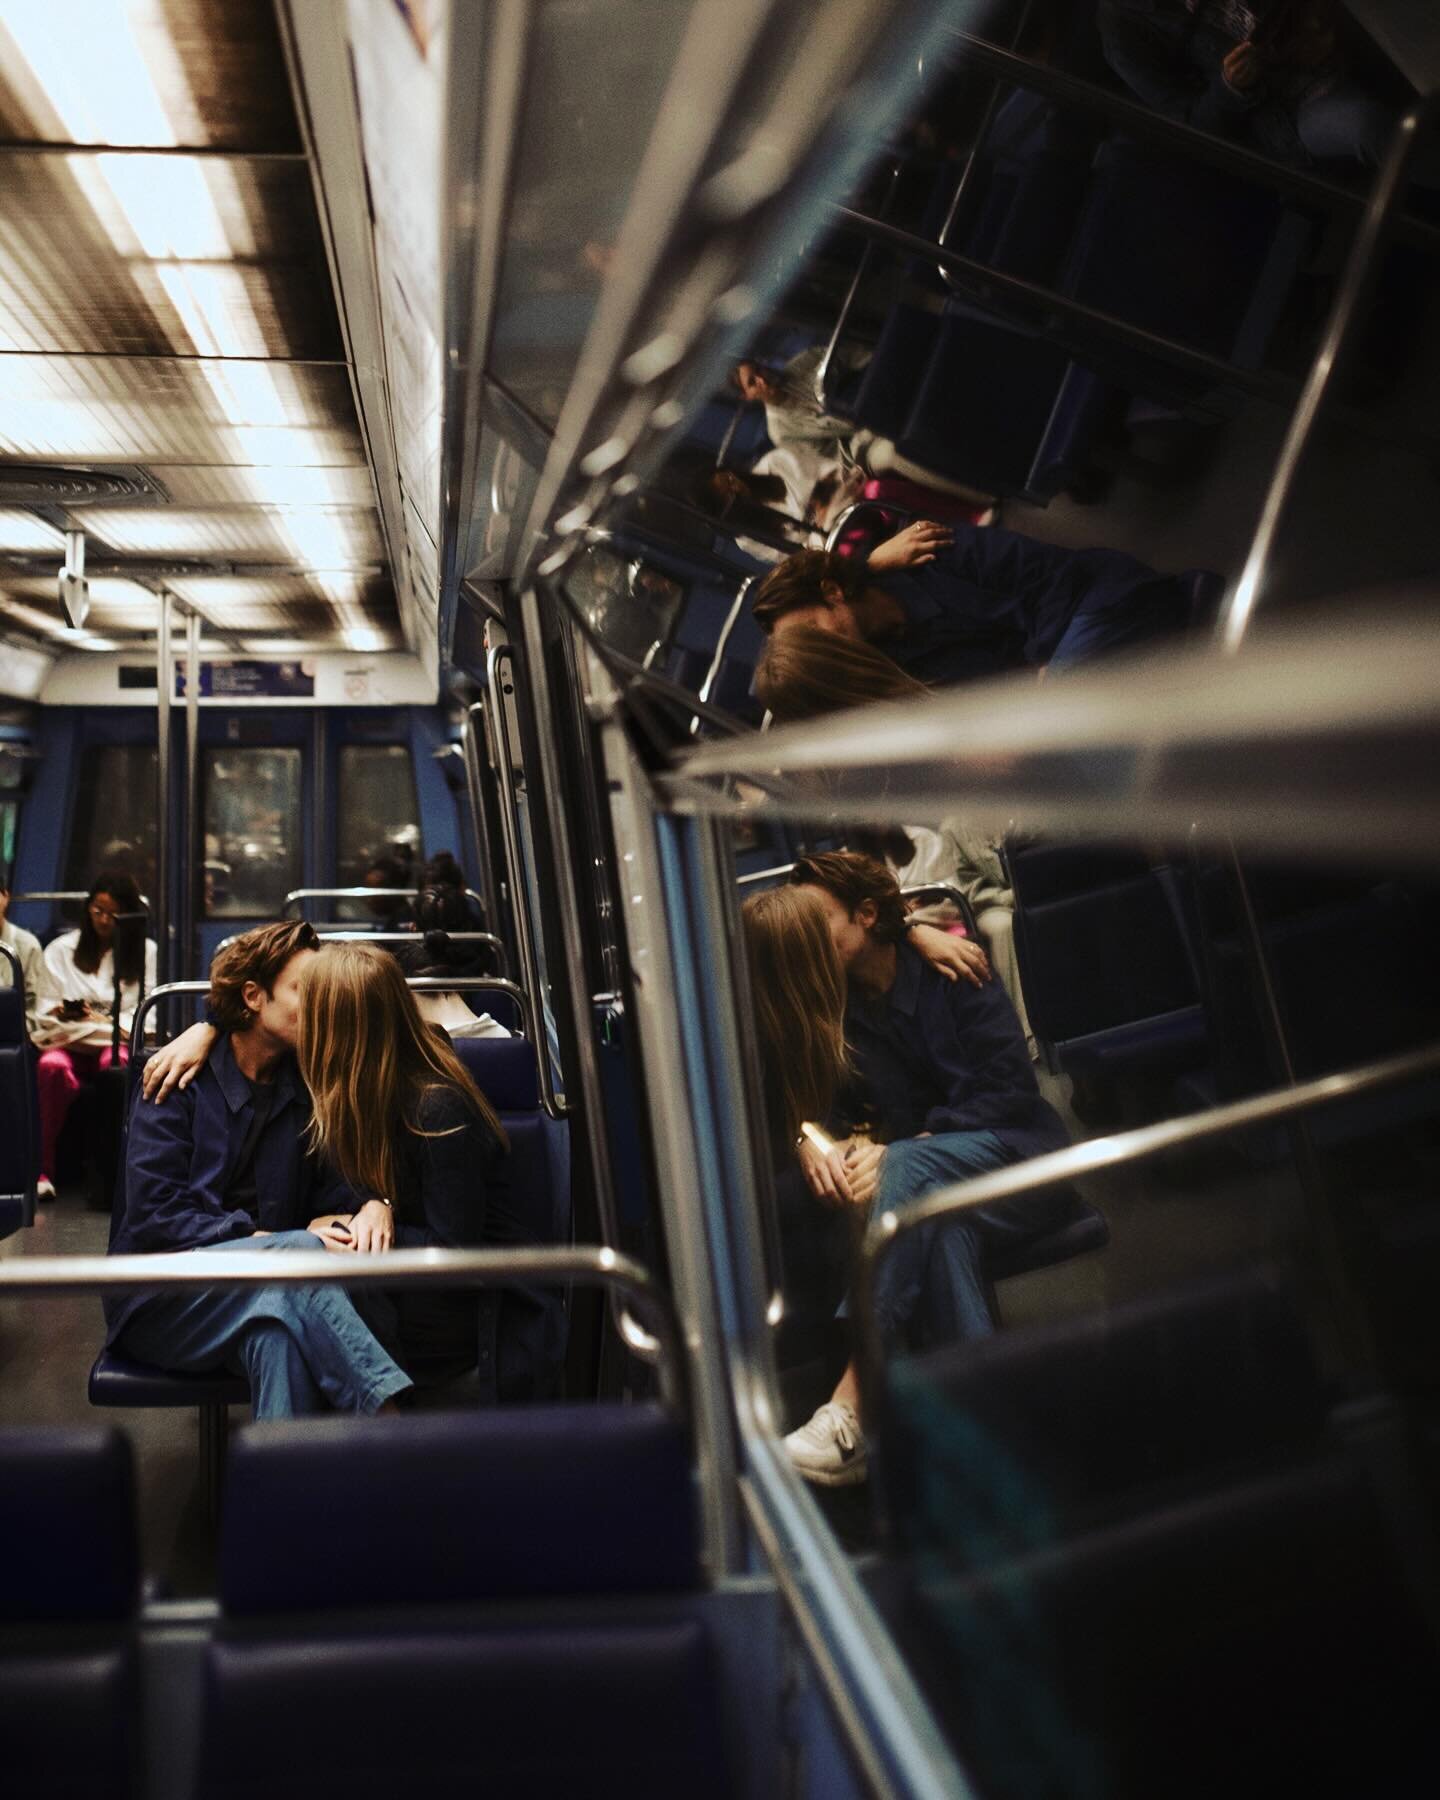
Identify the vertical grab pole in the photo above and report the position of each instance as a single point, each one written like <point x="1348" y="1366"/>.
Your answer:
<point x="193" y="886"/>
<point x="471" y="740"/>
<point x="164" y="684"/>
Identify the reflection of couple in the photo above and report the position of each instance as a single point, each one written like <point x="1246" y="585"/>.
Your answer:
<point x="855" y="1023"/>
<point x="327" y="1116"/>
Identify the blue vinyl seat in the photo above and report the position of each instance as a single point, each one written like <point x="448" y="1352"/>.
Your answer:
<point x="69" y="1697"/>
<point x="532" y="1621"/>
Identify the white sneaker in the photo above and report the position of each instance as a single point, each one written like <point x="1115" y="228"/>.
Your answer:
<point x="44" y="1188"/>
<point x="830" y="1449"/>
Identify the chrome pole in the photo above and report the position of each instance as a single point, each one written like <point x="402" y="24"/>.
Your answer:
<point x="164" y="685"/>
<point x="193" y="884"/>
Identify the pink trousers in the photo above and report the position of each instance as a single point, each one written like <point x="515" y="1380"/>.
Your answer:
<point x="58" y="1077"/>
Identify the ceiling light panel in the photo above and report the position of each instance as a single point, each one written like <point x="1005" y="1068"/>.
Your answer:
<point x="313" y="537"/>
<point x="82" y="409"/>
<point x="22" y="534"/>
<point x="136" y="72"/>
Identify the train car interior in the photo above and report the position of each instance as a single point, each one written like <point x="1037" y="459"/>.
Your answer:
<point x="719" y="798"/>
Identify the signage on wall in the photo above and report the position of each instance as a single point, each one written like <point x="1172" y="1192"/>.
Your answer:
<point x="251" y="680"/>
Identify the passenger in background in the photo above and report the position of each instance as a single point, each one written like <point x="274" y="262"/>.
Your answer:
<point x="228" y="1162"/>
<point x="443" y="871"/>
<point x="795" y="419"/>
<point x="436" y="956"/>
<point x="990" y="601"/>
<point x="1270" y="77"/>
<point x="75" y="1028"/>
<point x="398" y="1116"/>
<point x="942" y="1084"/>
<point x="388" y="870"/>
<point x="26" y="948"/>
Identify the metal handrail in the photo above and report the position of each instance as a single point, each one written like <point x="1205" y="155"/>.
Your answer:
<point x="1060" y="1167"/>
<point x="763" y="874"/>
<point x="339" y="931"/>
<point x="472" y="734"/>
<point x="916" y="889"/>
<point x="822" y="369"/>
<point x="429" y="984"/>
<point x="592" y="1265"/>
<point x="361" y="893"/>
<point x="837" y="530"/>
<point x="500" y="657"/>
<point x="74" y="896"/>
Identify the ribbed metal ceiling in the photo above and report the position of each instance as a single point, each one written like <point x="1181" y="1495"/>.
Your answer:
<point x="172" y="317"/>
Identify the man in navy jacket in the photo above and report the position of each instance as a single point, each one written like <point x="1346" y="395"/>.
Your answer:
<point x="980" y="602"/>
<point x="223" y="1163"/>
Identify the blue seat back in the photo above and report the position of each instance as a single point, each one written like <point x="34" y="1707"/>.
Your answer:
<point x="591" y="1674"/>
<point x="19" y="1116"/>
<point x="69" y="1700"/>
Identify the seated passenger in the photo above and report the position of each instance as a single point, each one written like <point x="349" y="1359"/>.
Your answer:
<point x="227" y="1162"/>
<point x="27" y="950"/>
<point x="396" y="1113"/>
<point x="942" y="1082"/>
<point x="1272" y="78"/>
<point x="436" y="956"/>
<point x="989" y="601"/>
<point x="76" y="1026"/>
<point x="794" y="418"/>
<point x="390" y="911"/>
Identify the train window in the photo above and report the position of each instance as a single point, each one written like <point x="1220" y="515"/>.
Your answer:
<point x="252" y="836"/>
<point x="113" y="826"/>
<point x="379" y="814"/>
<point x="9" y="820"/>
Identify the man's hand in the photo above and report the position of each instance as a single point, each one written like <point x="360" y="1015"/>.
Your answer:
<point x="916" y="544"/>
<point x="333" y="1231"/>
<point x="957" y="958"/>
<point x="863" y="1163"/>
<point x="259" y="1233"/>
<point x="373" y="1227"/>
<point x="176" y="1065"/>
<point x="1243" y="67"/>
<point x="825" y="1174"/>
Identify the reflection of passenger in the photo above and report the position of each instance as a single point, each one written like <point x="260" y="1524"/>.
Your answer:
<point x="940" y="1074"/>
<point x="1267" y="76"/>
<point x="434" y="955"/>
<point x="795" y="417"/>
<point x="84" y="967"/>
<point x="990" y="601"/>
<point x="387" y="870"/>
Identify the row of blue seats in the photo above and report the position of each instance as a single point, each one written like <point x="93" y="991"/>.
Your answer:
<point x="1151" y="1551"/>
<point x="511" y="1599"/>
<point x="965" y="385"/>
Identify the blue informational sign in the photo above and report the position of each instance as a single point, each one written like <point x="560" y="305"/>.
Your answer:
<point x="244" y="680"/>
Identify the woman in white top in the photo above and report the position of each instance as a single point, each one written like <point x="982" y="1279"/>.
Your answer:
<point x="83" y="966"/>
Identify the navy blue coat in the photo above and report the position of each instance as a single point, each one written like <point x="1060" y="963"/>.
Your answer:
<point x="182" y="1152"/>
<point x="937" y="1055"/>
<point x="996" y="600"/>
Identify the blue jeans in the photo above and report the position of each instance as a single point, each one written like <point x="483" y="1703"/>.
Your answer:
<point x="299" y="1347"/>
<point x="931" y="1288"/>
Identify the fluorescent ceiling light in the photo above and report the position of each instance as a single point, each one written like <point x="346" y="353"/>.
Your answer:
<point x="86" y="56"/>
<point x="276" y="646"/>
<point x="24" y="534"/>
<point x="364" y="637"/>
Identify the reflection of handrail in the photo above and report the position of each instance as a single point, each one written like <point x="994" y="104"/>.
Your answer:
<point x="1138" y="120"/>
<point x="1060" y="1167"/>
<point x="763" y="874"/>
<point x="340" y="931"/>
<point x="837" y="530"/>
<point x="592" y="1265"/>
<point x="731" y="620"/>
<point x="822" y="371"/>
<point x="1239" y="606"/>
<point x="501" y="658"/>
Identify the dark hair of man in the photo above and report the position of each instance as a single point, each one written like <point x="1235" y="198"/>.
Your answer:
<point x="127" y="942"/>
<point x="854" y="879"/>
<point x="259" y="956"/>
<point x="798" y="582"/>
<point x="439" y="906"/>
<point x="442" y="870"/>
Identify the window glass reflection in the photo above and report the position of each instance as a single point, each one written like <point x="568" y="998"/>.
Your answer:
<point x="252" y="831"/>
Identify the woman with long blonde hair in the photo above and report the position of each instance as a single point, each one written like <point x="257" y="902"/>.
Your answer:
<point x="397" y="1116"/>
